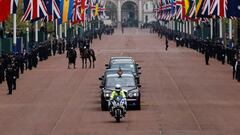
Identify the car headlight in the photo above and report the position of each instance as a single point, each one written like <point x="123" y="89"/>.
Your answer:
<point x="133" y="93"/>
<point x="107" y="93"/>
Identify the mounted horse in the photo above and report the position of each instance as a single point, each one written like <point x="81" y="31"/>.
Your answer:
<point x="87" y="54"/>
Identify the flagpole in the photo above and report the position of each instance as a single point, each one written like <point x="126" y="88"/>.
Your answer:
<point x="56" y="28"/>
<point x="27" y="45"/>
<point x="65" y="30"/>
<point x="220" y="28"/>
<point x="36" y="31"/>
<point x="187" y="27"/>
<point x="180" y="28"/>
<point x="76" y="29"/>
<point x="211" y="28"/>
<point x="184" y="27"/>
<point x="190" y="28"/>
<point x="60" y="30"/>
<point x="14" y="32"/>
<point x="230" y="28"/>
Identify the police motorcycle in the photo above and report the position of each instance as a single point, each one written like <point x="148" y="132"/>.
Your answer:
<point x="117" y="107"/>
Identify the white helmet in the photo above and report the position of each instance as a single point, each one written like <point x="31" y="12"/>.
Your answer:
<point x="118" y="87"/>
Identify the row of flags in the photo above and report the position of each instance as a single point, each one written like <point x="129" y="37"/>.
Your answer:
<point x="197" y="9"/>
<point x="76" y="11"/>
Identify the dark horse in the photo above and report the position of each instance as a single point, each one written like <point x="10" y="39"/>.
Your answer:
<point x="87" y="54"/>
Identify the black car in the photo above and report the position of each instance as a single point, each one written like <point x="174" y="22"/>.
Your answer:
<point x="125" y="63"/>
<point x="114" y="71"/>
<point x="129" y="85"/>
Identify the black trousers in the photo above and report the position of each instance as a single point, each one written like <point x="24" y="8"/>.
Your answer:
<point x="10" y="85"/>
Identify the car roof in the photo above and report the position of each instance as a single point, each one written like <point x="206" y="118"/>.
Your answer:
<point x="113" y="59"/>
<point x="117" y="69"/>
<point x="123" y="75"/>
<point x="121" y="57"/>
<point x="122" y="61"/>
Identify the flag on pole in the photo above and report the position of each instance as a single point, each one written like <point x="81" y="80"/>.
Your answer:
<point x="14" y="4"/>
<point x="34" y="10"/>
<point x="180" y="11"/>
<point x="76" y="17"/>
<point x="233" y="9"/>
<point x="66" y="10"/>
<point x="96" y="8"/>
<point x="191" y="10"/>
<point x="53" y="9"/>
<point x="219" y="8"/>
<point x="198" y="6"/>
<point x="5" y="9"/>
<point x="206" y="8"/>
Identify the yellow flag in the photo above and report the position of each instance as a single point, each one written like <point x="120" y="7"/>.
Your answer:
<point x="187" y="5"/>
<point x="96" y="10"/>
<point x="65" y="11"/>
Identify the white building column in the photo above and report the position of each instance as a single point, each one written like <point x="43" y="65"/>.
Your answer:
<point x="119" y="12"/>
<point x="139" y="13"/>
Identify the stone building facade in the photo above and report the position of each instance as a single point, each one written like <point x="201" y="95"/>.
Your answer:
<point x="132" y="12"/>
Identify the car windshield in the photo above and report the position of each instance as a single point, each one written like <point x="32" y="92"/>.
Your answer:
<point x="123" y="81"/>
<point x="123" y="65"/>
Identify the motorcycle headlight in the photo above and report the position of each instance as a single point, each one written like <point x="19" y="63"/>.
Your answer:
<point x="133" y="93"/>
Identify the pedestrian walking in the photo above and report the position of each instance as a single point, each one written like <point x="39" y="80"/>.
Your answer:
<point x="9" y="78"/>
<point x="166" y="44"/>
<point x="237" y="69"/>
<point x="206" y="53"/>
<point x="233" y="63"/>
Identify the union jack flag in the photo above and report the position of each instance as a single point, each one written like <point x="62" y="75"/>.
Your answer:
<point x="53" y="9"/>
<point x="180" y="9"/>
<point x="219" y="8"/>
<point x="14" y="4"/>
<point x="76" y="17"/>
<point x="206" y="8"/>
<point x="192" y="10"/>
<point x="233" y="9"/>
<point x="34" y="10"/>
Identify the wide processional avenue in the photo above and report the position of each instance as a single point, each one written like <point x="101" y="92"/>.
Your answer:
<point x="74" y="67"/>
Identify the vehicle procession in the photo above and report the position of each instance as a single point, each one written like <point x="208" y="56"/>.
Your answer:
<point x="121" y="75"/>
<point x="120" y="67"/>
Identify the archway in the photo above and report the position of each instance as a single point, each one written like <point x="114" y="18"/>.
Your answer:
<point x="129" y="14"/>
<point x="112" y="11"/>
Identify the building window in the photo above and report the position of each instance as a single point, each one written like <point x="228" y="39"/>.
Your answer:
<point x="146" y="19"/>
<point x="146" y="6"/>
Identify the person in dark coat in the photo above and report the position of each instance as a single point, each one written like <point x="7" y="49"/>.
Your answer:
<point x="15" y="72"/>
<point x="166" y="44"/>
<point x="206" y="51"/>
<point x="233" y="63"/>
<point x="21" y="63"/>
<point x="9" y="78"/>
<point x="71" y="55"/>
<point x="237" y="69"/>
<point x="1" y="72"/>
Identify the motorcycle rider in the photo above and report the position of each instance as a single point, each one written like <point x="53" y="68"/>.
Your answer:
<point x="115" y="93"/>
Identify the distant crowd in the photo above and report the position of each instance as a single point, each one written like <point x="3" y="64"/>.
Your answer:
<point x="216" y="49"/>
<point x="14" y="64"/>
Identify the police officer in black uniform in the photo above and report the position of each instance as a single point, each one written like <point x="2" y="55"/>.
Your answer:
<point x="206" y="51"/>
<point x="9" y="78"/>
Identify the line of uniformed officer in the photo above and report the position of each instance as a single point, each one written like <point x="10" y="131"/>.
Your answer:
<point x="210" y="48"/>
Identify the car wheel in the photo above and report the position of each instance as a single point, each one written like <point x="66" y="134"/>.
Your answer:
<point x="104" y="105"/>
<point x="138" y="104"/>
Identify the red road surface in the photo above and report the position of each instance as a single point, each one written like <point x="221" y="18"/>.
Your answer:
<point x="180" y="94"/>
